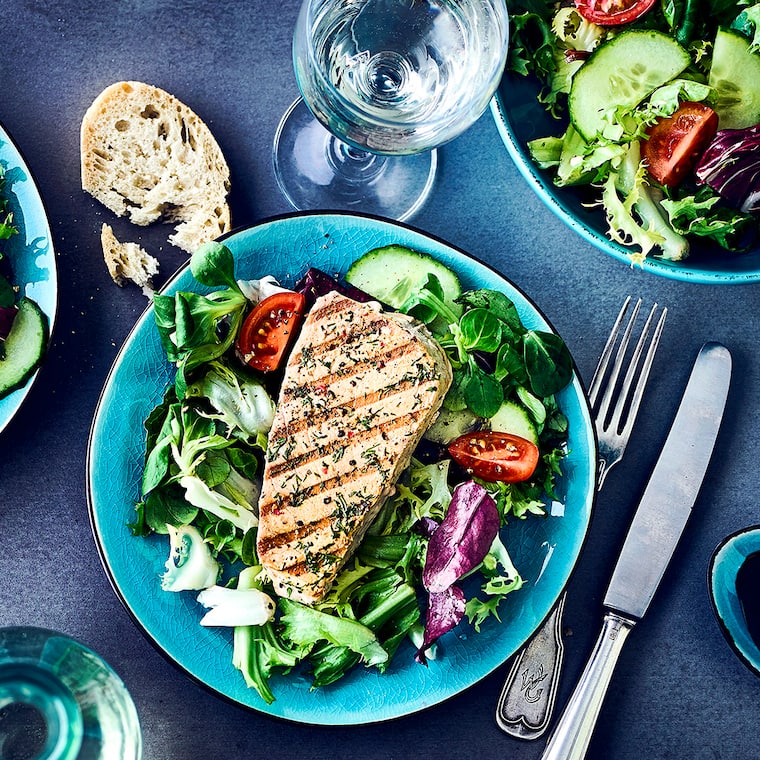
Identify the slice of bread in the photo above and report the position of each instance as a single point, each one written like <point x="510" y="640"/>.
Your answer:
<point x="127" y="261"/>
<point x="148" y="156"/>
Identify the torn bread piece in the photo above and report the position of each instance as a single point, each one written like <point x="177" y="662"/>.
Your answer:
<point x="147" y="156"/>
<point x="127" y="261"/>
<point x="360" y="389"/>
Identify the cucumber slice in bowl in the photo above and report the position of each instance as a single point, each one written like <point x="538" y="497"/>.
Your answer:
<point x="450" y="424"/>
<point x="735" y="75"/>
<point x="622" y="72"/>
<point x="24" y="347"/>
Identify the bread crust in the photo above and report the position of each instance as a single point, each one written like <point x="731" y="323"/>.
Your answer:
<point x="148" y="156"/>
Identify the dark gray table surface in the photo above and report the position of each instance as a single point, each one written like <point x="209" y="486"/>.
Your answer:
<point x="678" y="692"/>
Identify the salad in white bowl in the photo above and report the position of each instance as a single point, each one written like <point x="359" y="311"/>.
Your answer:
<point x="657" y="108"/>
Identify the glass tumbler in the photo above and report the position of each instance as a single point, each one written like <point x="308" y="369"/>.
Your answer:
<point x="61" y="701"/>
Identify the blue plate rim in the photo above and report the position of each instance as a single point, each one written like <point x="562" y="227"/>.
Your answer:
<point x="19" y="395"/>
<point x="717" y="605"/>
<point x="550" y="196"/>
<point x="589" y="431"/>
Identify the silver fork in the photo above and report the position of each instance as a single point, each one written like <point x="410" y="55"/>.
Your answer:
<point x="527" y="698"/>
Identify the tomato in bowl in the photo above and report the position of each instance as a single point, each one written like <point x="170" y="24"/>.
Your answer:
<point x="520" y="117"/>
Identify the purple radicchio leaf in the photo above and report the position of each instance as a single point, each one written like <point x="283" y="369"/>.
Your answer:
<point x="445" y="610"/>
<point x="425" y="526"/>
<point x="316" y="283"/>
<point x="7" y="315"/>
<point x="731" y="167"/>
<point x="463" y="539"/>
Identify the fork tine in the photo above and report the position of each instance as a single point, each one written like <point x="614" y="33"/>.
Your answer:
<point x="643" y="375"/>
<point x="614" y="423"/>
<point x="611" y="383"/>
<point x="604" y="358"/>
<point x="626" y="403"/>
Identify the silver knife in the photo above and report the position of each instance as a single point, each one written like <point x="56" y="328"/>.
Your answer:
<point x="652" y="538"/>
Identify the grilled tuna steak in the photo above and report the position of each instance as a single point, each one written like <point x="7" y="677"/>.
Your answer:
<point x="360" y="389"/>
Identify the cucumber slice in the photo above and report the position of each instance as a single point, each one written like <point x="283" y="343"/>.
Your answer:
<point x="24" y="347"/>
<point x="391" y="273"/>
<point x="512" y="418"/>
<point x="735" y="75"/>
<point x="622" y="72"/>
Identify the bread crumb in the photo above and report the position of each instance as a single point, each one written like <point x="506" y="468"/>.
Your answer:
<point x="127" y="261"/>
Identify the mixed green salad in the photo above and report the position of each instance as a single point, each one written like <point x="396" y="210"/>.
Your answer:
<point x="23" y="325"/>
<point x="433" y="556"/>
<point x="658" y="104"/>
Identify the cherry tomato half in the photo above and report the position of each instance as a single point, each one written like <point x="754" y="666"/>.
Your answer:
<point x="676" y="142"/>
<point x="612" y="12"/>
<point x="495" y="456"/>
<point x="269" y="329"/>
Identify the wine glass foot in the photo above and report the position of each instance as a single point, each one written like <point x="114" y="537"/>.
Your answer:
<point x="317" y="171"/>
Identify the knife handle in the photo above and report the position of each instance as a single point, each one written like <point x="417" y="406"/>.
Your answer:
<point x="572" y="734"/>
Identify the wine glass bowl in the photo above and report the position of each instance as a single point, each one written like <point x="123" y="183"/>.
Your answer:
<point x="399" y="76"/>
<point x="389" y="81"/>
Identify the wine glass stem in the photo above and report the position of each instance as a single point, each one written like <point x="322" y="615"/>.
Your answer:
<point x="318" y="171"/>
<point x="352" y="164"/>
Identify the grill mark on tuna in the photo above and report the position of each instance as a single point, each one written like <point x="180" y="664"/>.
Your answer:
<point x="325" y="452"/>
<point x="286" y="501"/>
<point x="322" y="311"/>
<point x="297" y="569"/>
<point x="327" y="413"/>
<point x="349" y="369"/>
<point x="357" y="334"/>
<point x="303" y="567"/>
<point x="279" y="540"/>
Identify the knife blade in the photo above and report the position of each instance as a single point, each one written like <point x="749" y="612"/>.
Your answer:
<point x="652" y="538"/>
<point x="673" y="487"/>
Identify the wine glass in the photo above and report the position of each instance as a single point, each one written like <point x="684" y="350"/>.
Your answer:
<point x="388" y="81"/>
<point x="61" y="701"/>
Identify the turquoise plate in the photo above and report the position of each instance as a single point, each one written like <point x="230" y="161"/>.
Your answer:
<point x="30" y="253"/>
<point x="724" y="566"/>
<point x="545" y="550"/>
<point x="520" y="118"/>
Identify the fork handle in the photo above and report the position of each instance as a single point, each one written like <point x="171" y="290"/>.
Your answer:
<point x="527" y="698"/>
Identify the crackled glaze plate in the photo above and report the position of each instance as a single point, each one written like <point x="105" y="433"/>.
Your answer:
<point x="30" y="254"/>
<point x="545" y="550"/>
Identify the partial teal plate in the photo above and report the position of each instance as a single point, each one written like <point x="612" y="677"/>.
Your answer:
<point x="30" y="253"/>
<point x="520" y="118"/>
<point x="545" y="550"/>
<point x="724" y="566"/>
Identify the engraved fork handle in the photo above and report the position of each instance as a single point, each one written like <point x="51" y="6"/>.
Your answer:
<point x="527" y="698"/>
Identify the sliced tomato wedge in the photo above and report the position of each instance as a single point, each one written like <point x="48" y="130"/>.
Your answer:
<point x="495" y="456"/>
<point x="676" y="142"/>
<point x="269" y="329"/>
<point x="613" y="12"/>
